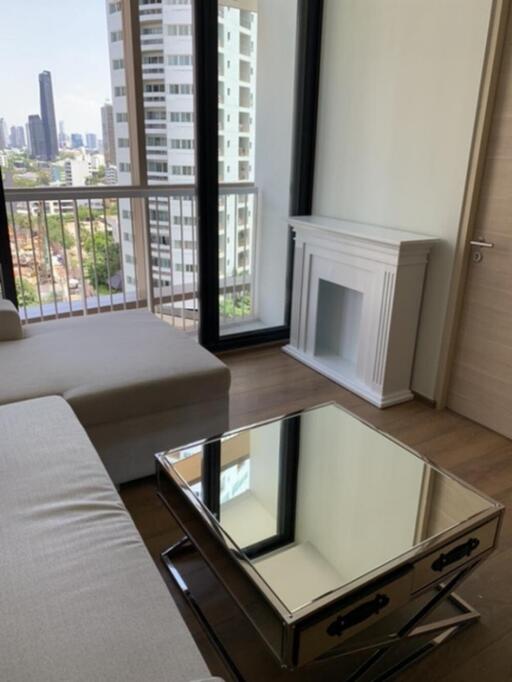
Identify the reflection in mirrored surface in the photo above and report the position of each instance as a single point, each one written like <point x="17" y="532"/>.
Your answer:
<point x="319" y="499"/>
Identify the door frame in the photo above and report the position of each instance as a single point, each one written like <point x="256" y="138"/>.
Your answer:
<point x="481" y="131"/>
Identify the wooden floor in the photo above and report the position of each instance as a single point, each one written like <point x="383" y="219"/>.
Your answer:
<point x="267" y="383"/>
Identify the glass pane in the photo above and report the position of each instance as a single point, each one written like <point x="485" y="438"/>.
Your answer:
<point x="168" y="89"/>
<point x="318" y="500"/>
<point x="55" y="127"/>
<point x="256" y="85"/>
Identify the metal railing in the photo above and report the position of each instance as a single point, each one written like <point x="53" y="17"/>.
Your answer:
<point x="85" y="250"/>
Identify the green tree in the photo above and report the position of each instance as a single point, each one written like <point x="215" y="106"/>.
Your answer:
<point x="55" y="231"/>
<point x="24" y="182"/>
<point x="43" y="177"/>
<point x="21" y="221"/>
<point x="104" y="250"/>
<point x="84" y="215"/>
<point x="26" y="292"/>
<point x="237" y="307"/>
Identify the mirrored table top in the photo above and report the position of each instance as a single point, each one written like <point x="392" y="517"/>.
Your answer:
<point x="316" y="500"/>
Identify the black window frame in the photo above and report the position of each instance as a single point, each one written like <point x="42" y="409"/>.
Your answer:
<point x="307" y="81"/>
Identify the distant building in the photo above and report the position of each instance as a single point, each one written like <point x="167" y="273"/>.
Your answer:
<point x="96" y="161"/>
<point x="17" y="137"/>
<point x="77" y="141"/>
<point x="71" y="172"/>
<point x="168" y="72"/>
<point x="27" y="137"/>
<point x="108" y="133"/>
<point x="111" y="175"/>
<point x="63" y="138"/>
<point x="91" y="141"/>
<point x="48" y="116"/>
<point x="36" y="137"/>
<point x="3" y="134"/>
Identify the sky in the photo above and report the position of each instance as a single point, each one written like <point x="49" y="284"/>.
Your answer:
<point x="66" y="37"/>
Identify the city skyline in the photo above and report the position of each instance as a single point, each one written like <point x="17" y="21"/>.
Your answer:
<point x="63" y="127"/>
<point x="78" y="61"/>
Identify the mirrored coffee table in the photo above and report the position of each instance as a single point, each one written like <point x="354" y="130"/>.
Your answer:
<point x="330" y="537"/>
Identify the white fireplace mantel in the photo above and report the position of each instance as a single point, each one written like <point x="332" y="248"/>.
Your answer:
<point x="356" y="302"/>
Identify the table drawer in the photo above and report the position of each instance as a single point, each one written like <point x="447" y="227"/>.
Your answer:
<point x="315" y="638"/>
<point x="454" y="555"/>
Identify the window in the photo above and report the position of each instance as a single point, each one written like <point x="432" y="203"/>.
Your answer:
<point x="118" y="64"/>
<point x="184" y="244"/>
<point x="154" y="115"/>
<point x="181" y="89"/>
<point x="146" y="12"/>
<point x="115" y="36"/>
<point x="127" y="236"/>
<point x="179" y="60"/>
<point x="123" y="142"/>
<point x="152" y="59"/>
<point x="186" y="267"/>
<point x="114" y="7"/>
<point x="120" y="91"/>
<point x="159" y="239"/>
<point x="182" y="144"/>
<point x="181" y="117"/>
<point x="126" y="213"/>
<point x="183" y="220"/>
<point x="161" y="216"/>
<point x="154" y="87"/>
<point x="156" y="141"/>
<point x="125" y="167"/>
<point x="182" y="170"/>
<point x="179" y="30"/>
<point x="157" y="166"/>
<point x="151" y="31"/>
<point x="161" y="262"/>
<point x="121" y="117"/>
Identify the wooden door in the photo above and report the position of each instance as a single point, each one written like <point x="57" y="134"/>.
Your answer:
<point x="481" y="380"/>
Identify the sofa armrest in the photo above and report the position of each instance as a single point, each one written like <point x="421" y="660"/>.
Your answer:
<point x="10" y="323"/>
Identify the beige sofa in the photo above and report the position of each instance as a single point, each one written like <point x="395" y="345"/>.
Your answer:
<point x="80" y="598"/>
<point x="137" y="385"/>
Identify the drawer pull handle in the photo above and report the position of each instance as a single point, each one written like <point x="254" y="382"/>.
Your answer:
<point x="455" y="554"/>
<point x="357" y="615"/>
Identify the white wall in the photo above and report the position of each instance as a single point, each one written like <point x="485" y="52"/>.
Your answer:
<point x="399" y="87"/>
<point x="252" y="516"/>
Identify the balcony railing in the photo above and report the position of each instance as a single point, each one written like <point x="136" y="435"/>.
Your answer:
<point x="86" y="250"/>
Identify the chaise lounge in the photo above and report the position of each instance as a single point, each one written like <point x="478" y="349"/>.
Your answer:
<point x="131" y="403"/>
<point x="81" y="597"/>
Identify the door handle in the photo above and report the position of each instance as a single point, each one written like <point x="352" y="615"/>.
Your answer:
<point x="481" y="243"/>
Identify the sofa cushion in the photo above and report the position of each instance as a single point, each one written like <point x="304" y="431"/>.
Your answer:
<point x="111" y="366"/>
<point x="80" y="597"/>
<point x="10" y="323"/>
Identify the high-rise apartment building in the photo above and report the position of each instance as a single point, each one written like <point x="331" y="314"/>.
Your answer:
<point x="17" y="137"/>
<point x="168" y="87"/>
<point x="63" y="138"/>
<point x="77" y="140"/>
<point x="91" y="141"/>
<point x="37" y="145"/>
<point x="3" y="134"/>
<point x="48" y="116"/>
<point x="108" y="134"/>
